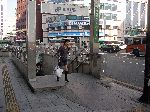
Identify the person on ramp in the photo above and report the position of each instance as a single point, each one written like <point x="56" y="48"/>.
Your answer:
<point x="62" y="53"/>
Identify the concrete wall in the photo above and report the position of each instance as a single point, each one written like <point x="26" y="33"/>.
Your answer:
<point x="97" y="65"/>
<point x="22" y="67"/>
<point x="5" y="54"/>
<point x="49" y="63"/>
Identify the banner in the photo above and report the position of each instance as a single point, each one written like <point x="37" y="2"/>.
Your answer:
<point x="96" y="20"/>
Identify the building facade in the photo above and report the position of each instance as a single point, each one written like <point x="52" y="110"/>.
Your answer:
<point x="65" y="20"/>
<point x="21" y="20"/>
<point x="3" y="18"/>
<point x="112" y="16"/>
<point x="136" y="15"/>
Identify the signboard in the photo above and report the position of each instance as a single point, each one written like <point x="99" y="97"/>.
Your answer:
<point x="74" y="34"/>
<point x="71" y="22"/>
<point x="79" y="22"/>
<point x="96" y="20"/>
<point x="64" y="9"/>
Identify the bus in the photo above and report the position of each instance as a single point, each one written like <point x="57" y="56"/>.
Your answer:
<point x="136" y="45"/>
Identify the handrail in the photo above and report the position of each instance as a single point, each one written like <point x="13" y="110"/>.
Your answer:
<point x="80" y="64"/>
<point x="76" y="57"/>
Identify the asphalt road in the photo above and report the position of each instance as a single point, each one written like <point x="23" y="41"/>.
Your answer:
<point x="125" y="68"/>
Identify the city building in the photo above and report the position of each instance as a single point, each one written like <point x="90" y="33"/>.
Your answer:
<point x="112" y="17"/>
<point x="121" y="16"/>
<point x="3" y="18"/>
<point x="21" y="13"/>
<point x="65" y="20"/>
<point x="136" y="15"/>
<point x="75" y="2"/>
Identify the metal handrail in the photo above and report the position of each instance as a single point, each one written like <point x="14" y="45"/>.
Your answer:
<point x="76" y="57"/>
<point x="80" y="64"/>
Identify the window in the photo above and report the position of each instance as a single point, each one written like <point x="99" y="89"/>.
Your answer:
<point x="79" y="18"/>
<point x="100" y="27"/>
<point x="144" y="41"/>
<point x="137" y="41"/>
<point x="114" y="16"/>
<point x="107" y="6"/>
<point x="115" y="27"/>
<point x="59" y="28"/>
<point x="86" y="27"/>
<point x="71" y="17"/>
<point x="107" y="26"/>
<point x="113" y="7"/>
<point x="102" y="6"/>
<point x="1" y="7"/>
<point x="108" y="16"/>
<point x="65" y="27"/>
<point x="101" y="15"/>
<point x="74" y="27"/>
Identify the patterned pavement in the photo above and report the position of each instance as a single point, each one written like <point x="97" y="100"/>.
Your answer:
<point x="82" y="94"/>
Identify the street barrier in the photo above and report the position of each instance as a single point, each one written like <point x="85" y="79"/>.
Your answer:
<point x="10" y="98"/>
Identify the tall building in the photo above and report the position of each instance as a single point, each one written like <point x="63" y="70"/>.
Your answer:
<point x="21" y="20"/>
<point x="136" y="14"/>
<point x="111" y="18"/>
<point x="120" y="16"/>
<point x="3" y="18"/>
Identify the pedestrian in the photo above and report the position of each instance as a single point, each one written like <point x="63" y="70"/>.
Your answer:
<point x="62" y="53"/>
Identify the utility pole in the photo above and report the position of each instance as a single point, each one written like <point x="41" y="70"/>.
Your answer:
<point x="94" y="30"/>
<point x="145" y="98"/>
<point x="91" y="35"/>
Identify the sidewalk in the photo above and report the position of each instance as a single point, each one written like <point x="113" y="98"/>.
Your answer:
<point x="2" y="99"/>
<point x="82" y="94"/>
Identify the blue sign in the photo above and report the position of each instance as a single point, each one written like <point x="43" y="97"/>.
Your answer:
<point x="73" y="34"/>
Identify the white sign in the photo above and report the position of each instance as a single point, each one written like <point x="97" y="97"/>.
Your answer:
<point x="64" y="9"/>
<point x="79" y="22"/>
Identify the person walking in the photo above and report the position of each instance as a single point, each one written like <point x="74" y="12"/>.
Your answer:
<point x="62" y="53"/>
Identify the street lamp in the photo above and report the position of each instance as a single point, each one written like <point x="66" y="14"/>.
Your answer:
<point x="146" y="90"/>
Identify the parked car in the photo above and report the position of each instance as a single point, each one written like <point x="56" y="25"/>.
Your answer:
<point x="110" y="48"/>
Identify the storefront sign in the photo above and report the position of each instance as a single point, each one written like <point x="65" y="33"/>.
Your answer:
<point x="64" y="9"/>
<point x="73" y="34"/>
<point x="79" y="22"/>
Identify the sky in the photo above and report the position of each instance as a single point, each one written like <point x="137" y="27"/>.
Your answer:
<point x="12" y="4"/>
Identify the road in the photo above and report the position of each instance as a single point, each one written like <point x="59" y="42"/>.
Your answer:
<point x="124" y="67"/>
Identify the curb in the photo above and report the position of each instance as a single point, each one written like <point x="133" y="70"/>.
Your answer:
<point x="125" y="84"/>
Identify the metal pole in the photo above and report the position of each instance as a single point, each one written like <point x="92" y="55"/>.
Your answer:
<point x="104" y="25"/>
<point x="146" y="90"/>
<point x="91" y="35"/>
